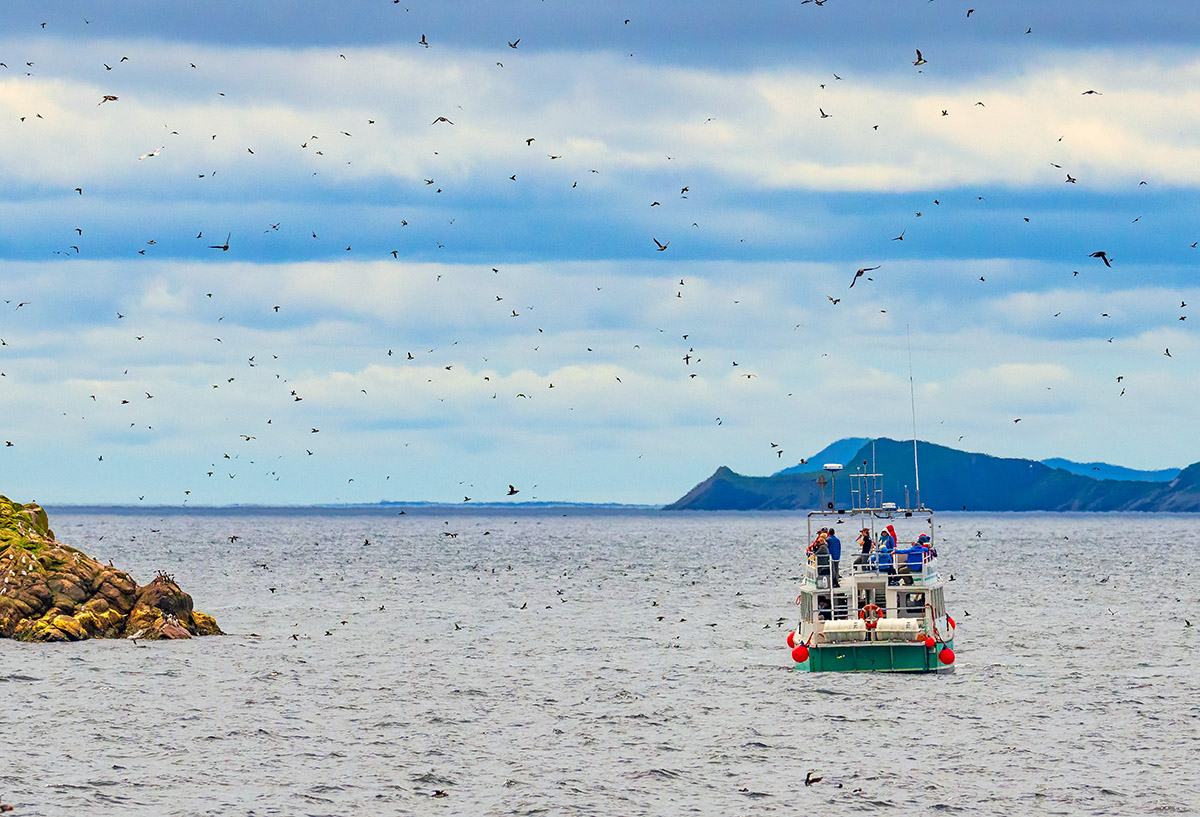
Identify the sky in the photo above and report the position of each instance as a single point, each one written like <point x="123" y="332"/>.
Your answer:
<point x="301" y="253"/>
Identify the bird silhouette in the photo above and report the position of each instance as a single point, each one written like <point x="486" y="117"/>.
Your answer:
<point x="860" y="273"/>
<point x="223" y="247"/>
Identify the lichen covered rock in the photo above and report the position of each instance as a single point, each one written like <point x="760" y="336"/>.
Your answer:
<point x="52" y="592"/>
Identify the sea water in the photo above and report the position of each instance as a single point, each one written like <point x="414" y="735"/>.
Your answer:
<point x="610" y="663"/>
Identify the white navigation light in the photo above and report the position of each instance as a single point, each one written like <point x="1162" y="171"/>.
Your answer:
<point x="832" y="466"/>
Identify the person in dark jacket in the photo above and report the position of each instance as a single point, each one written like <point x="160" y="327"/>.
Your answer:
<point x="820" y="549"/>
<point x="865" y="545"/>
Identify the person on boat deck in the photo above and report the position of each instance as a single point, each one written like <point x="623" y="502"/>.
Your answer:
<point x="812" y="547"/>
<point x="820" y="549"/>
<point x="865" y="545"/>
<point x="835" y="554"/>
<point x="887" y="546"/>
<point x="914" y="558"/>
<point x="823" y="611"/>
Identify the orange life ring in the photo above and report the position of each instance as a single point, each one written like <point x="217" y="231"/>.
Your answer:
<point x="871" y="613"/>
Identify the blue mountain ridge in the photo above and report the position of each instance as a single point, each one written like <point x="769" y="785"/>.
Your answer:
<point x="1104" y="470"/>
<point x="950" y="480"/>
<point x="845" y="449"/>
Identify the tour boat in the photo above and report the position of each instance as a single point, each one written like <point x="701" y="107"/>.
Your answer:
<point x="876" y="610"/>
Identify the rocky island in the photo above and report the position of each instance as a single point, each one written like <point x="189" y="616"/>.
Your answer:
<point x="52" y="592"/>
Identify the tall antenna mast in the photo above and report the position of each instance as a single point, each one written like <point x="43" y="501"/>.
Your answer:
<point x="913" y="402"/>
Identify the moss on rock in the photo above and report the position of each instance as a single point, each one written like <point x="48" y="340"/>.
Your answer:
<point x="52" y="592"/>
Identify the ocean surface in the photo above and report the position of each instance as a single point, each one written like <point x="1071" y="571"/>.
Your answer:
<point x="607" y="663"/>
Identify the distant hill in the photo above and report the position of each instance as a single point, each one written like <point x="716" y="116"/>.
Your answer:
<point x="842" y="451"/>
<point x="1103" y="470"/>
<point x="950" y="480"/>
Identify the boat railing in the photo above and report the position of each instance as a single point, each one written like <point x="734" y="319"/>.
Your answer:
<point x="909" y="620"/>
<point x="899" y="567"/>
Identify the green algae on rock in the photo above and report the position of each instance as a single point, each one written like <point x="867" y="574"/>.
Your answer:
<point x="52" y="592"/>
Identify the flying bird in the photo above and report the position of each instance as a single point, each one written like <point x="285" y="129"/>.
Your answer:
<point x="441" y="119"/>
<point x="920" y="60"/>
<point x="154" y="152"/>
<point x="661" y="246"/>
<point x="106" y="98"/>
<point x="513" y="490"/>
<point x="223" y="247"/>
<point x="1102" y="255"/>
<point x="860" y="273"/>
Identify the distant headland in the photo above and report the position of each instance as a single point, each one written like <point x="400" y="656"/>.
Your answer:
<point x="952" y="480"/>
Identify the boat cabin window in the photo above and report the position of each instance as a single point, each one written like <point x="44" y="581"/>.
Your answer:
<point x="912" y="605"/>
<point x="841" y="606"/>
<point x="871" y="595"/>
<point x="824" y="609"/>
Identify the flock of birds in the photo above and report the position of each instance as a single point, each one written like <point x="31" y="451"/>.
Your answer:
<point x="108" y="73"/>
<point x="222" y="462"/>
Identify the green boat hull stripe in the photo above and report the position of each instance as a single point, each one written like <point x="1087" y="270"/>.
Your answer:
<point x="879" y="657"/>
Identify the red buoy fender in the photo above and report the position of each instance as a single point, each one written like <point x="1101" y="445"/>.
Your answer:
<point x="946" y="656"/>
<point x="791" y="639"/>
<point x="800" y="654"/>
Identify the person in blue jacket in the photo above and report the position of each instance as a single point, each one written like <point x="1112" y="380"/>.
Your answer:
<point x="835" y="553"/>
<point x="883" y="559"/>
<point x="914" y="559"/>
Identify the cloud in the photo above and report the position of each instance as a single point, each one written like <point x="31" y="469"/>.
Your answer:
<point x="502" y="286"/>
